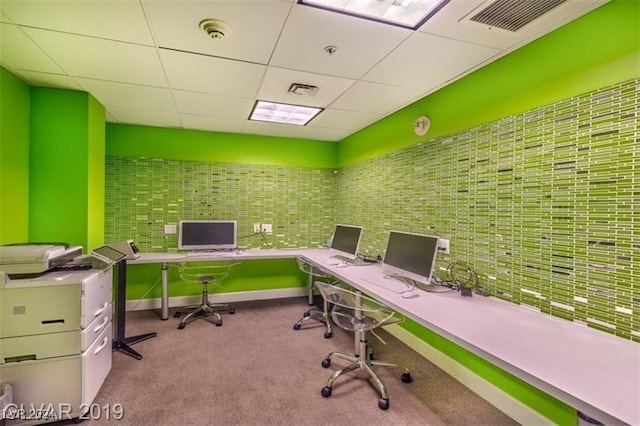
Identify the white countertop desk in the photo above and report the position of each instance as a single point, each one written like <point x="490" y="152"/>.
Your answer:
<point x="594" y="372"/>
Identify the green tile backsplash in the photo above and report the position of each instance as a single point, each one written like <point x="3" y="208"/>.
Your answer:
<point x="143" y="195"/>
<point x="544" y="205"/>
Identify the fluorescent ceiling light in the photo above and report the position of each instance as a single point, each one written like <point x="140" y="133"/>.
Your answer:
<point x="403" y="13"/>
<point x="283" y="113"/>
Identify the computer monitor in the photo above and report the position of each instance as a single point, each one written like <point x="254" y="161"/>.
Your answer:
<point x="346" y="239"/>
<point x="410" y="256"/>
<point x="207" y="234"/>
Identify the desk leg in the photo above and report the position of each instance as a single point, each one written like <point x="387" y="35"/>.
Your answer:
<point x="360" y="344"/>
<point x="122" y="343"/>
<point x="164" y="296"/>
<point x="310" y="288"/>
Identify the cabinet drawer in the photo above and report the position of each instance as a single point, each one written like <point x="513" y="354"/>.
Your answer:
<point x="96" y="296"/>
<point x="93" y="330"/>
<point x="96" y="364"/>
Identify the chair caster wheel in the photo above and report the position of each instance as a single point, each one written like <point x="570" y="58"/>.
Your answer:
<point x="296" y="326"/>
<point x="306" y="314"/>
<point x="218" y="323"/>
<point x="177" y="314"/>
<point x="181" y="326"/>
<point x="232" y="311"/>
<point x="327" y="335"/>
<point x="326" y="363"/>
<point x="383" y="404"/>
<point x="326" y="391"/>
<point x="406" y="377"/>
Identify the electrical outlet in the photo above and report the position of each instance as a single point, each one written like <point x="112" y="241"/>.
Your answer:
<point x="256" y="228"/>
<point x="443" y="245"/>
<point x="266" y="228"/>
<point x="170" y="229"/>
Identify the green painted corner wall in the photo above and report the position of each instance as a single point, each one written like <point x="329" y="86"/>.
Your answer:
<point x="14" y="159"/>
<point x="572" y="60"/>
<point x="180" y="144"/>
<point x="65" y="138"/>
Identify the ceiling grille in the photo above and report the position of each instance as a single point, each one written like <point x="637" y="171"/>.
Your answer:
<point x="511" y="15"/>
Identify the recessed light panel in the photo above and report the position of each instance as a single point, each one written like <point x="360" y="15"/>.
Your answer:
<point x="274" y="112"/>
<point x="403" y="13"/>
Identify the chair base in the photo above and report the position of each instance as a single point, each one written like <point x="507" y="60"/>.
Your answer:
<point x="204" y="311"/>
<point x="316" y="315"/>
<point x="366" y="364"/>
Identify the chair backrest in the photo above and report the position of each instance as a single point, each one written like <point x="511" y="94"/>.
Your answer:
<point x="205" y="272"/>
<point x="311" y="270"/>
<point x="354" y="311"/>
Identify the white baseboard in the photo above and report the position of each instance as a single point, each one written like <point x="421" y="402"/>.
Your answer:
<point x="495" y="396"/>
<point x="240" y="296"/>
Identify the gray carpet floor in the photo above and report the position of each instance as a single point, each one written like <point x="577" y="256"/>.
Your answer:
<point x="256" y="370"/>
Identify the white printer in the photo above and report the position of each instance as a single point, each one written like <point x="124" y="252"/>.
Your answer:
<point x="55" y="333"/>
<point x="36" y="258"/>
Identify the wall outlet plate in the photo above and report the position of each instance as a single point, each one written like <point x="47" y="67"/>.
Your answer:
<point x="266" y="228"/>
<point x="170" y="229"/>
<point x="256" y="228"/>
<point x="443" y="245"/>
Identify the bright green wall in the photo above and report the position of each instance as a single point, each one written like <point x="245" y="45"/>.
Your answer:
<point x="593" y="51"/>
<point x="179" y="144"/>
<point x="14" y="159"/>
<point x="65" y="139"/>
<point x="96" y="174"/>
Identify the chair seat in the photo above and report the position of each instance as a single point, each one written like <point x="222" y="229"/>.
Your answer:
<point x="356" y="312"/>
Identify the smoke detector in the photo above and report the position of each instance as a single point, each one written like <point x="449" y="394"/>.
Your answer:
<point x="215" y="28"/>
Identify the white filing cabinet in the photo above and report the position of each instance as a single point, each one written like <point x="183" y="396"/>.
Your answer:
<point x="55" y="343"/>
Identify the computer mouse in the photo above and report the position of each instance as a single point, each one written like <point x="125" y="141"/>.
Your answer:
<point x="409" y="295"/>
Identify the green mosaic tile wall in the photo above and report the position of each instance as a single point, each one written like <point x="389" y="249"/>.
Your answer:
<point x="144" y="194"/>
<point x="545" y="205"/>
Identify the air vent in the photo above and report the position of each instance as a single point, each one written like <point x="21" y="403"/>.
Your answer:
<point x="303" y="89"/>
<point x="511" y="15"/>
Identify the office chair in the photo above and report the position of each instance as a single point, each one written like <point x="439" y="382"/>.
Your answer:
<point x="355" y="312"/>
<point x="204" y="273"/>
<point x="314" y="313"/>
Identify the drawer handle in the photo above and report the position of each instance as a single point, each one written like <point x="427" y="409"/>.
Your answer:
<point x="100" y="326"/>
<point x="102" y="345"/>
<point x="102" y="308"/>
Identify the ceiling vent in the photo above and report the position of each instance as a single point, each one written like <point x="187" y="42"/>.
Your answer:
<point x="512" y="15"/>
<point x="303" y="89"/>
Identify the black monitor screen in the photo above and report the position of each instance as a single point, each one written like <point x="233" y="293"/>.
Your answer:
<point x="346" y="239"/>
<point x="412" y="255"/>
<point x="207" y="234"/>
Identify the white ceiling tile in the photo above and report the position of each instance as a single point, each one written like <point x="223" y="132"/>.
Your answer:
<point x="271" y="129"/>
<point x="113" y="19"/>
<point x="323" y="133"/>
<point x="361" y="43"/>
<point x="213" y="105"/>
<point x="254" y="26"/>
<point x="101" y="59"/>
<point x="144" y="117"/>
<point x="51" y="80"/>
<point x="375" y="98"/>
<point x="342" y="119"/>
<point x="201" y="73"/>
<point x="109" y="93"/>
<point x="429" y="62"/>
<point x="17" y="51"/>
<point x="213" y="124"/>
<point x="277" y="81"/>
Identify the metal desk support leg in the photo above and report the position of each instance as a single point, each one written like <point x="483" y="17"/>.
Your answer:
<point x="121" y="343"/>
<point x="164" y="296"/>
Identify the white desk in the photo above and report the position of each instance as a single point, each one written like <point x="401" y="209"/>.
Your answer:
<point x="592" y="371"/>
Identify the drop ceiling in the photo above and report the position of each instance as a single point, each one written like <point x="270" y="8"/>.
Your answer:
<point x="149" y="63"/>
